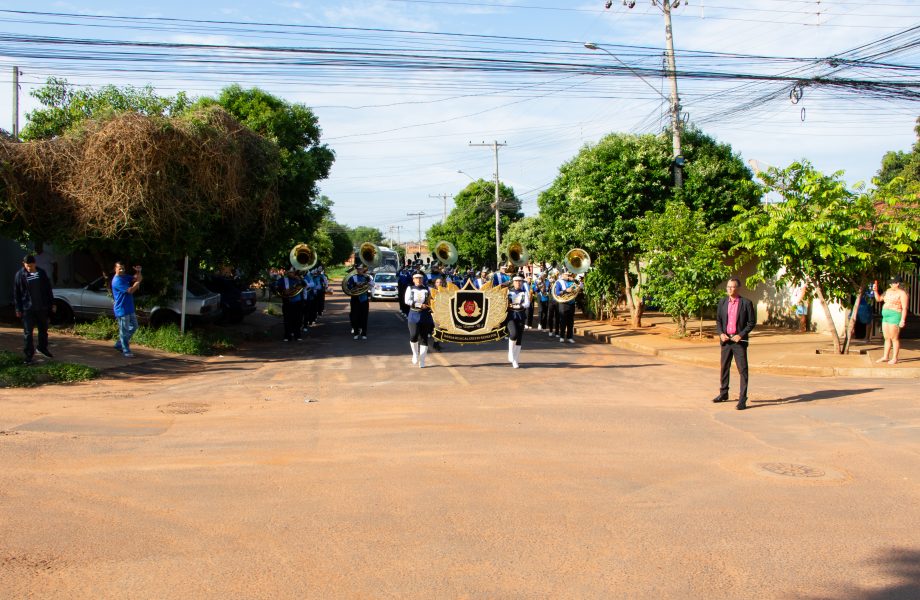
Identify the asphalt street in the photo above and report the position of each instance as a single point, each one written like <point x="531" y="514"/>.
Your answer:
<point x="333" y="468"/>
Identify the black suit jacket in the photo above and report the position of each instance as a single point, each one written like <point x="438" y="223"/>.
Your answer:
<point x="746" y="317"/>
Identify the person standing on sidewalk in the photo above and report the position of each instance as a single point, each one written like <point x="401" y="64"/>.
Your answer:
<point x="34" y="301"/>
<point x="734" y="321"/>
<point x="124" y="287"/>
<point x="894" y="317"/>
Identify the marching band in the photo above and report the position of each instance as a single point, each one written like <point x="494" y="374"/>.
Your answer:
<point x="547" y="294"/>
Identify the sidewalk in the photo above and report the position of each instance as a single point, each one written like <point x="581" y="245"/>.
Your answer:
<point x="777" y="351"/>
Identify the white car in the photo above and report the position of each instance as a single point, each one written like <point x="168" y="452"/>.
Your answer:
<point x="384" y="286"/>
<point x="95" y="299"/>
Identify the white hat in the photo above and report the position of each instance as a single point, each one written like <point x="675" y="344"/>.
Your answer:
<point x="517" y="278"/>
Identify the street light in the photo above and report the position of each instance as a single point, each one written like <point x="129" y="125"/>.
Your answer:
<point x="674" y="101"/>
<point x="465" y="173"/>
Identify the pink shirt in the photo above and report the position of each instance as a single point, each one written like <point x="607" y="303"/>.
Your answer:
<point x="731" y="326"/>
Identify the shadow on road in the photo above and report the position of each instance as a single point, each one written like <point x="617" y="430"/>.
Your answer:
<point x="898" y="563"/>
<point x="810" y="397"/>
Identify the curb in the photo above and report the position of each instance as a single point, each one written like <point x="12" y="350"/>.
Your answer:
<point x="672" y="355"/>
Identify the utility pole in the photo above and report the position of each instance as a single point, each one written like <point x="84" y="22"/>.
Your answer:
<point x="498" y="235"/>
<point x="16" y="102"/>
<point x="444" y="197"/>
<point x="419" y="215"/>
<point x="666" y="6"/>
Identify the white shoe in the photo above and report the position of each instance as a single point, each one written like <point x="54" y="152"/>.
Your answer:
<point x="414" y="346"/>
<point x="356" y="337"/>
<point x="422" y="351"/>
<point x="550" y="334"/>
<point x="571" y="341"/>
<point x="539" y="327"/>
<point x="510" y="350"/>
<point x="516" y="354"/>
<point x="561" y="339"/>
<point x="364" y="337"/>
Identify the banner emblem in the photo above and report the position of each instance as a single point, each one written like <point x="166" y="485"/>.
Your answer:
<point x="468" y="315"/>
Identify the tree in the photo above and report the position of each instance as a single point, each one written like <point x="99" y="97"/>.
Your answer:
<point x="827" y="237"/>
<point x="599" y="196"/>
<point x="65" y="106"/>
<point x="363" y="233"/>
<point x="529" y="232"/>
<point x="342" y="246"/>
<point x="470" y="226"/>
<point x="304" y="160"/>
<point x="905" y="165"/>
<point x="683" y="261"/>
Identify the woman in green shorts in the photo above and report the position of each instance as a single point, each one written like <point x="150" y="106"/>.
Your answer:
<point x="894" y="317"/>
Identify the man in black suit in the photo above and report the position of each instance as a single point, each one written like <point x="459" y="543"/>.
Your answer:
<point x="734" y="321"/>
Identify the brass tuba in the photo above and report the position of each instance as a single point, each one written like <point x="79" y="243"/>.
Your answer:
<point x="577" y="261"/>
<point x="303" y="257"/>
<point x="369" y="256"/>
<point x="446" y="253"/>
<point x="517" y="254"/>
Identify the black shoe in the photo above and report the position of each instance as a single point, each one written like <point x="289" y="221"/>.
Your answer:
<point x="720" y="399"/>
<point x="46" y="353"/>
<point x="742" y="404"/>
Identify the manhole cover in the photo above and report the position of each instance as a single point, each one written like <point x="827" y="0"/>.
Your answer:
<point x="183" y="408"/>
<point x="792" y="470"/>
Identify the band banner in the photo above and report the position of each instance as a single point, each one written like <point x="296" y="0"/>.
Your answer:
<point x="469" y="316"/>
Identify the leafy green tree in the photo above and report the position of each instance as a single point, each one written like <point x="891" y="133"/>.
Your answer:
<point x="600" y="195"/>
<point x="363" y="233"/>
<point x="529" y="232"/>
<point x="905" y="165"/>
<point x="304" y="160"/>
<point x="683" y="261"/>
<point x="64" y="106"/>
<point x="470" y="226"/>
<point x="827" y="237"/>
<point x="342" y="246"/>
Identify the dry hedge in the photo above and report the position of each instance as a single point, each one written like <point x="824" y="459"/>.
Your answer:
<point x="168" y="178"/>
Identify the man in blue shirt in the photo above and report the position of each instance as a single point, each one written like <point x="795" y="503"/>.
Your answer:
<point x="123" y="288"/>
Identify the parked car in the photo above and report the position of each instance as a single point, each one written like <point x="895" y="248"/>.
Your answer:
<point x="236" y="299"/>
<point x="383" y="286"/>
<point x="94" y="299"/>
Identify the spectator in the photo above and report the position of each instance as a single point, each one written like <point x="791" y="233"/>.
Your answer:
<point x="34" y="300"/>
<point x="124" y="287"/>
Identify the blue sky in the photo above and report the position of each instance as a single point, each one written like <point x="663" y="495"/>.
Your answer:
<point x="401" y="136"/>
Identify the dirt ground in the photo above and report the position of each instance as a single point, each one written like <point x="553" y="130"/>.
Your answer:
<point x="333" y="468"/>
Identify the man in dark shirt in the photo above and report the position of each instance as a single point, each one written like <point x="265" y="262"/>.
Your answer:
<point x="34" y="301"/>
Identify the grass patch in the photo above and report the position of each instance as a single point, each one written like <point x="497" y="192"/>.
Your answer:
<point x="337" y="272"/>
<point x="199" y="342"/>
<point x="15" y="374"/>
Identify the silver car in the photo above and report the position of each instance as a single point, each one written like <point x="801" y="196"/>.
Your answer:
<point x="95" y="299"/>
<point x="384" y="286"/>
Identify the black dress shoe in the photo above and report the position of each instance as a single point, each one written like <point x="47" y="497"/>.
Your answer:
<point x="720" y="399"/>
<point x="742" y="404"/>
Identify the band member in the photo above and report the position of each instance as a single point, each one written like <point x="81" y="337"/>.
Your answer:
<point x="309" y="300"/>
<point x="501" y="276"/>
<point x="552" y="321"/>
<point x="404" y="282"/>
<point x="439" y="286"/>
<point x="360" y="303"/>
<point x="542" y="296"/>
<point x="420" y="322"/>
<point x="530" y="285"/>
<point x="290" y="288"/>
<point x="323" y="287"/>
<point x="566" y="319"/>
<point x="482" y="279"/>
<point x="518" y="302"/>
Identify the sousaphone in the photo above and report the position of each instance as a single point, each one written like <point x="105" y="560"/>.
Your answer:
<point x="446" y="253"/>
<point x="369" y="255"/>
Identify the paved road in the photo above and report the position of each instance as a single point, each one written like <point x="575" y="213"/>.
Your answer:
<point x="334" y="469"/>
